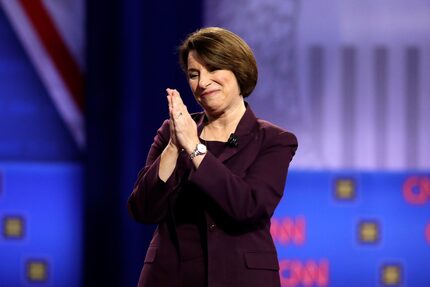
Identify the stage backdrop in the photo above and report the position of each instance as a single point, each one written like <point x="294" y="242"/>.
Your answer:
<point x="347" y="77"/>
<point x="42" y="138"/>
<point x="68" y="162"/>
<point x="350" y="79"/>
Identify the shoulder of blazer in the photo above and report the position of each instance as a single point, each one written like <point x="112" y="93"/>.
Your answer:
<point x="273" y="134"/>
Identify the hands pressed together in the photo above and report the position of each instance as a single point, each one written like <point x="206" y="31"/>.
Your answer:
<point x="183" y="129"/>
<point x="183" y="135"/>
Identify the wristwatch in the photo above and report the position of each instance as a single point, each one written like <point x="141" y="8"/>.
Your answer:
<point x="199" y="150"/>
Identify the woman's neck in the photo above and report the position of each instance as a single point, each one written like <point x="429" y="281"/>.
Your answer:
<point x="219" y="128"/>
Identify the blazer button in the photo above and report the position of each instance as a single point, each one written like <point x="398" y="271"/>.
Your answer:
<point x="212" y="227"/>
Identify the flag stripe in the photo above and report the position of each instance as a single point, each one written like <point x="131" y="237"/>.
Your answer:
<point x="56" y="48"/>
<point x="49" y="73"/>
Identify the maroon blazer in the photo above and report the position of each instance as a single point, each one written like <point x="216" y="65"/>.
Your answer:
<point x="240" y="191"/>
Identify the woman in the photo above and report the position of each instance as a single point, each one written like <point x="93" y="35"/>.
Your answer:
<point x="213" y="179"/>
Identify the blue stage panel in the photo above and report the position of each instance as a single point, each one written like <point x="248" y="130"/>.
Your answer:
<point x="41" y="219"/>
<point x="354" y="229"/>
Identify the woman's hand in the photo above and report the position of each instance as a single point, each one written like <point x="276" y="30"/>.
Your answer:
<point x="183" y="129"/>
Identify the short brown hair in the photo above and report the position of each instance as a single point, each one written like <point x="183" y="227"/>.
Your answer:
<point x="222" y="49"/>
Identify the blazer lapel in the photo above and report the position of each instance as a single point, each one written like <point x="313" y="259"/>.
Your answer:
<point x="229" y="151"/>
<point x="244" y="132"/>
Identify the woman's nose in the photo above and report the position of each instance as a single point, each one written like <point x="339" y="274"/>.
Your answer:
<point x="204" y="81"/>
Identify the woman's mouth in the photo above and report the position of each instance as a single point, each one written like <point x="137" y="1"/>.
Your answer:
<point x="208" y="93"/>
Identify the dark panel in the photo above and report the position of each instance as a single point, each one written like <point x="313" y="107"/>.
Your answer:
<point x="102" y="197"/>
<point x="316" y="91"/>
<point x="380" y="70"/>
<point x="348" y="96"/>
<point x="131" y="61"/>
<point x="412" y="75"/>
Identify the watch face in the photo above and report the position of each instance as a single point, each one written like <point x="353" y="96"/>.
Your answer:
<point x="201" y="148"/>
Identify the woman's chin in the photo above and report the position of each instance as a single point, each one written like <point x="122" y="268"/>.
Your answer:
<point x="212" y="109"/>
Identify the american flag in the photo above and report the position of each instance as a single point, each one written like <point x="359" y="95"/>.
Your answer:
<point x="52" y="34"/>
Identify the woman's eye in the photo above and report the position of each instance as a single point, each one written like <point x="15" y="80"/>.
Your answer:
<point x="192" y="76"/>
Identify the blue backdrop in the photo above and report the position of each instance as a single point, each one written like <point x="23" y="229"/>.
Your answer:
<point x="346" y="228"/>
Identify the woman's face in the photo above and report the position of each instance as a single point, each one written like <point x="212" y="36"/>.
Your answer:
<point x="217" y="90"/>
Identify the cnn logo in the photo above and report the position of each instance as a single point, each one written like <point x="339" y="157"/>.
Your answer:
<point x="416" y="190"/>
<point x="310" y="273"/>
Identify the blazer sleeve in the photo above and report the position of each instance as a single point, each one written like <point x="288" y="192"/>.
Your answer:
<point x="252" y="197"/>
<point x="148" y="203"/>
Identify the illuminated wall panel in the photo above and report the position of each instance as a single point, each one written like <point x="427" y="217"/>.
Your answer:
<point x="349" y="78"/>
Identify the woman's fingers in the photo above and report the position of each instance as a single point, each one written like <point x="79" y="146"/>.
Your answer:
<point x="184" y="129"/>
<point x="171" y="102"/>
<point x="173" y="139"/>
<point x="177" y="109"/>
<point x="176" y="97"/>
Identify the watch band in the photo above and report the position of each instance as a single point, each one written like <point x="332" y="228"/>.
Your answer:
<point x="199" y="150"/>
<point x="194" y="154"/>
